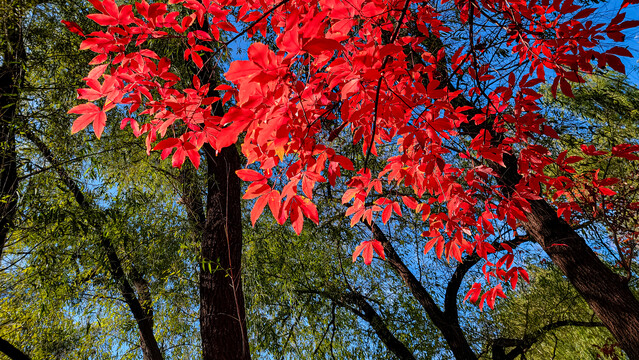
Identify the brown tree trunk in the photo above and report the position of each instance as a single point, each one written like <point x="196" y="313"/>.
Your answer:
<point x="607" y="293"/>
<point x="222" y="313"/>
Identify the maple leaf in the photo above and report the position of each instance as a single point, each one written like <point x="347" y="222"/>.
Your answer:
<point x="90" y="114"/>
<point x="366" y="249"/>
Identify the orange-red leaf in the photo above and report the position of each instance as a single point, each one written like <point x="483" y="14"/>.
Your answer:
<point x="366" y="249"/>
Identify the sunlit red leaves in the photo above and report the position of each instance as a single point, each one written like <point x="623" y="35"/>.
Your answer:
<point x="262" y="66"/>
<point x="89" y="114"/>
<point x="294" y="102"/>
<point x="250" y="175"/>
<point x="366" y="249"/>
<point x="489" y="297"/>
<point x="389" y="206"/>
<point x="183" y="149"/>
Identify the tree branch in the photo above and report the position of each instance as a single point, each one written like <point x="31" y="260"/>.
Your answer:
<point x="11" y="351"/>
<point x="150" y="349"/>
<point x="452" y="290"/>
<point x="445" y="322"/>
<point x="357" y="304"/>
<point x="522" y="345"/>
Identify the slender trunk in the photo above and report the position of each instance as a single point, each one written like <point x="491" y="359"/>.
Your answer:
<point x="222" y="313"/>
<point x="11" y="76"/>
<point x="144" y="318"/>
<point x="149" y="345"/>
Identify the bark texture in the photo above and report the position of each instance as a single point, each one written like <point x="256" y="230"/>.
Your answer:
<point x="606" y="292"/>
<point x="222" y="313"/>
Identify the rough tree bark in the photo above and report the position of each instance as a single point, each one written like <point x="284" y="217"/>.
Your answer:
<point x="219" y="233"/>
<point x="222" y="313"/>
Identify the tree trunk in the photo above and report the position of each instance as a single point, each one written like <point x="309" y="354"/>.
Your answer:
<point x="11" y="75"/>
<point x="607" y="293"/>
<point x="11" y="351"/>
<point x="222" y="313"/>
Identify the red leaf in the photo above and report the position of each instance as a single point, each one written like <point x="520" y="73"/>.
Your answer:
<point x="256" y="189"/>
<point x="591" y="151"/>
<point x="104" y="20"/>
<point x="618" y="50"/>
<point x="241" y="70"/>
<point x="410" y="202"/>
<point x="91" y="113"/>
<point x="566" y="88"/>
<point x="473" y="293"/>
<point x="275" y="203"/>
<point x="297" y="220"/>
<point x="386" y="214"/>
<point x="73" y="27"/>
<point x="616" y="64"/>
<point x="366" y="249"/>
<point x="167" y="143"/>
<point x="258" y="208"/>
<point x="249" y="175"/>
<point x="317" y="46"/>
<point x="606" y="191"/>
<point x="308" y="209"/>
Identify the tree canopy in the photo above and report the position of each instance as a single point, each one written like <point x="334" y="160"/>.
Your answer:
<point x="449" y="144"/>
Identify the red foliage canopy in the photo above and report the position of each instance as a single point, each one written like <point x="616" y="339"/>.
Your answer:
<point x="377" y="74"/>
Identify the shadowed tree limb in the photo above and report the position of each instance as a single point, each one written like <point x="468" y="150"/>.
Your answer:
<point x="522" y="345"/>
<point x="446" y="322"/>
<point x="150" y="347"/>
<point x="357" y="304"/>
<point x="11" y="351"/>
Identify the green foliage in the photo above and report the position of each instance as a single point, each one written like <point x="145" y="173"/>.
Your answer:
<point x="58" y="297"/>
<point x="59" y="300"/>
<point x="548" y="299"/>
